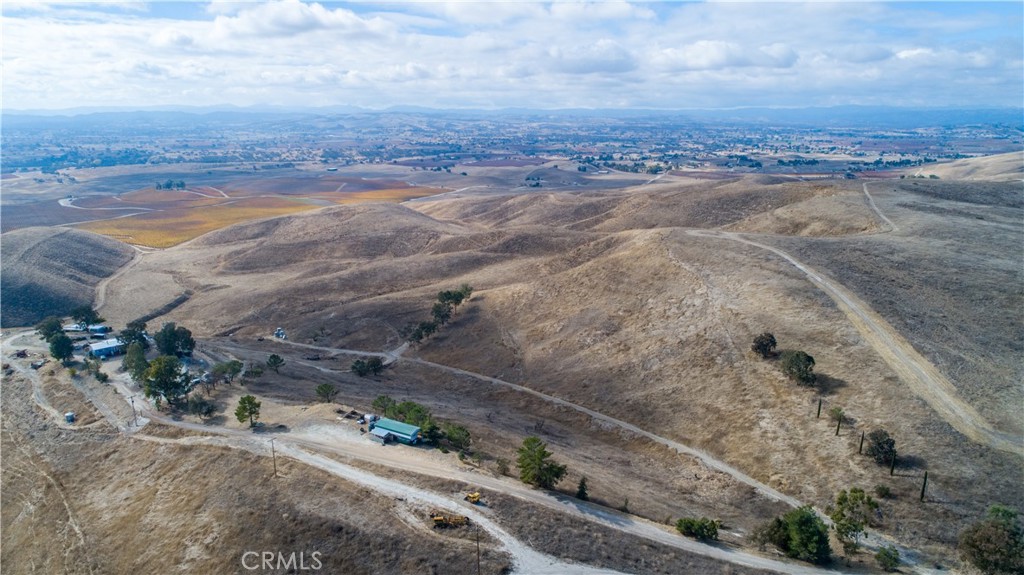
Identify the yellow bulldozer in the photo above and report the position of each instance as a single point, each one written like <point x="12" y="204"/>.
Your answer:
<point x="443" y="521"/>
<point x="473" y="498"/>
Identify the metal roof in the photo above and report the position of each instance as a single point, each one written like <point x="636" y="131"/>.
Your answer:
<point x="106" y="344"/>
<point x="397" y="427"/>
<point x="382" y="433"/>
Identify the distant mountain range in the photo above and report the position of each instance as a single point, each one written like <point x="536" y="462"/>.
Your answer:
<point x="837" y="116"/>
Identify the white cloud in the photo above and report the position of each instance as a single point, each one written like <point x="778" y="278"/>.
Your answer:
<point x="513" y="54"/>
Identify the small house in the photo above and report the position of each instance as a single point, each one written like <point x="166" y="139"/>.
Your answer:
<point x="402" y="432"/>
<point x="107" y="348"/>
<point x="381" y="436"/>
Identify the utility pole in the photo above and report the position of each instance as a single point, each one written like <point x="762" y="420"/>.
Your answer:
<point x="135" y="416"/>
<point x="924" y="485"/>
<point x="819" y="410"/>
<point x="861" y="448"/>
<point x="273" y="455"/>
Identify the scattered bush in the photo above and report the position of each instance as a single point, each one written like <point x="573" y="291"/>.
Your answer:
<point x="883" y="491"/>
<point x="703" y="528"/>
<point x="764" y="345"/>
<point x="881" y="447"/>
<point x="800" y="534"/>
<point x="798" y="366"/>
<point x="888" y="558"/>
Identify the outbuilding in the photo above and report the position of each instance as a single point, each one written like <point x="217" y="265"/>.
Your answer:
<point x="402" y="432"/>
<point x="107" y="348"/>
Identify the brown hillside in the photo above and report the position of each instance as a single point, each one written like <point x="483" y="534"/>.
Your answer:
<point x="607" y="300"/>
<point x="47" y="271"/>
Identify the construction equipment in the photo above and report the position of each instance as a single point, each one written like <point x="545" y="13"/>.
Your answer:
<point x="442" y="521"/>
<point x="473" y="498"/>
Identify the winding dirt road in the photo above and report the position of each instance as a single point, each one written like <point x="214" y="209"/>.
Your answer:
<point x="923" y="378"/>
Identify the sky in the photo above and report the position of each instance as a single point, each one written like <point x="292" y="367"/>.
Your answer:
<point x="501" y="54"/>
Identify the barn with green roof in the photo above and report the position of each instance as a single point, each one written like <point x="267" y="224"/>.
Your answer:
<point x="403" y="432"/>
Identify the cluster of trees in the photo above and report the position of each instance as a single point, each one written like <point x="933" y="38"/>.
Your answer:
<point x="364" y="367"/>
<point x="173" y="339"/>
<point x="450" y="434"/>
<point x="796" y="365"/>
<point x="171" y="185"/>
<point x="995" y="545"/>
<point x="51" y="329"/>
<point x="800" y="534"/>
<point x="444" y="308"/>
<point x="412" y="413"/>
<point x="165" y="379"/>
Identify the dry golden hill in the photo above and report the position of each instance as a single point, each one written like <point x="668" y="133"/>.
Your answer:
<point x="47" y="271"/>
<point x="607" y="300"/>
<point x="997" y="168"/>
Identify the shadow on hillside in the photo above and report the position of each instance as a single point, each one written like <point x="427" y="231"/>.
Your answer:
<point x="827" y="384"/>
<point x="907" y="464"/>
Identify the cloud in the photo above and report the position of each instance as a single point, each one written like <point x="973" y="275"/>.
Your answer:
<point x="521" y="53"/>
<point x="603" y="56"/>
<point x="719" y="55"/>
<point x="291" y="18"/>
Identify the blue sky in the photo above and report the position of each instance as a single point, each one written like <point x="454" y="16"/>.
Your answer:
<point x="603" y="54"/>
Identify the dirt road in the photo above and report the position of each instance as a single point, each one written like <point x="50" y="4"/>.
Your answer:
<point x="915" y="370"/>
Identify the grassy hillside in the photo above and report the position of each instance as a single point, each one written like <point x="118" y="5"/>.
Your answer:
<point x="48" y="271"/>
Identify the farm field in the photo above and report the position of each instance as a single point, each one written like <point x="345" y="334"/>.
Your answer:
<point x="171" y="217"/>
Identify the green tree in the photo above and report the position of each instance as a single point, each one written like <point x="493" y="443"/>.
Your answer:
<point x="174" y="340"/>
<point x="61" y="348"/>
<point x="326" y="392"/>
<point x="165" y="380"/>
<point x="383" y="404"/>
<point x="227" y="371"/>
<point x="994" y="545"/>
<point x="881" y="447"/>
<point x="375" y="365"/>
<point x="452" y="298"/>
<point x="764" y="345"/>
<point x="535" y="467"/>
<point x="850" y="515"/>
<point x="248" y="408"/>
<point x="49" y="327"/>
<point x="888" y="558"/>
<point x="800" y="534"/>
<point x="581" y="490"/>
<point x="135" y="362"/>
<point x="85" y="315"/>
<point x="135" y="332"/>
<point x="798" y="366"/>
<point x="458" y="436"/>
<point x="441" y="312"/>
<point x="703" y="528"/>
<point x="275" y="362"/>
<point x="360" y="368"/>
<point x="466" y="290"/>
<point x="253" y="372"/>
